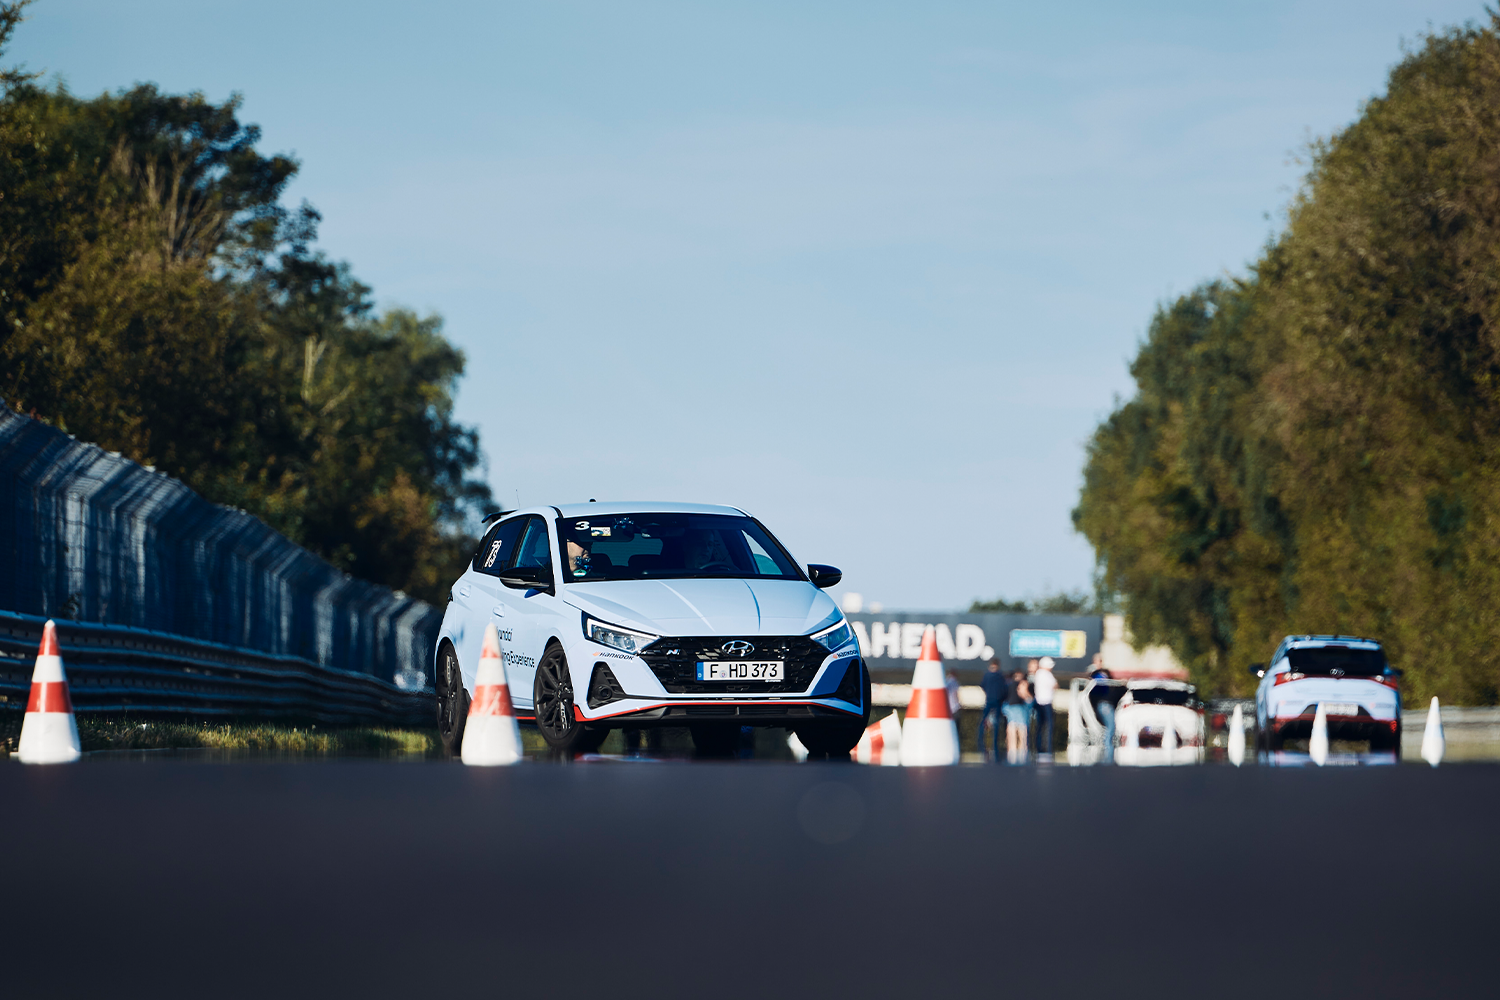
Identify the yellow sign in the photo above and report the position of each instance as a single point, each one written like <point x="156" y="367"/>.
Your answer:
<point x="1074" y="645"/>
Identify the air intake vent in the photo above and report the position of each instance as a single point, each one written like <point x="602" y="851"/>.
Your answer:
<point x="851" y="688"/>
<point x="603" y="687"/>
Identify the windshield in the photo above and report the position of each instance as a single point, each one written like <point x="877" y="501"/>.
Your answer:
<point x="670" y="546"/>
<point x="1161" y="696"/>
<point x="1337" y="661"/>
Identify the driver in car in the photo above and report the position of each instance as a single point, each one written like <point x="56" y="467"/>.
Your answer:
<point x="580" y="545"/>
<point x="704" y="549"/>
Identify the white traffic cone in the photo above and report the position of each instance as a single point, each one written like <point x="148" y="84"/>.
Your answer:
<point x="491" y="736"/>
<point x="1317" y="743"/>
<point x="49" y="733"/>
<point x="881" y="742"/>
<point x="1433" y="743"/>
<point x="1237" y="737"/>
<point x="1169" y="739"/>
<point x="929" y="737"/>
<point x="799" y="752"/>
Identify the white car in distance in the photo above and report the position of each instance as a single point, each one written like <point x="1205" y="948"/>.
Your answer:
<point x="1348" y="675"/>
<point x="1159" y="722"/>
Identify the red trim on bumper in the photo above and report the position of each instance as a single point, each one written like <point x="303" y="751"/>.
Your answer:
<point x="717" y="701"/>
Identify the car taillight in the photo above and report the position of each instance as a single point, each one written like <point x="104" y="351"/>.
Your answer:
<point x="1288" y="676"/>
<point x="1390" y="682"/>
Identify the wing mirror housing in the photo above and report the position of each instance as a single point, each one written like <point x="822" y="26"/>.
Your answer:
<point x="528" y="578"/>
<point x="822" y="576"/>
<point x="1258" y="669"/>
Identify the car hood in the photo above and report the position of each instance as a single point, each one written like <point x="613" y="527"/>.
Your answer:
<point x="706" y="607"/>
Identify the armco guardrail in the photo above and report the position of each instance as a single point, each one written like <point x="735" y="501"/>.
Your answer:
<point x="114" y="668"/>
<point x="167" y="602"/>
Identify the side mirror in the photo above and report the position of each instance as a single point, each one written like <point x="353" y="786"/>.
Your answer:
<point x="822" y="576"/>
<point x="528" y="578"/>
<point x="1258" y="669"/>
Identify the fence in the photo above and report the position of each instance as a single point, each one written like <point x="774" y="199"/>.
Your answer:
<point x="167" y="602"/>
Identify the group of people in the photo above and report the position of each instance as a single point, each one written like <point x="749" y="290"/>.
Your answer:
<point x="1027" y="697"/>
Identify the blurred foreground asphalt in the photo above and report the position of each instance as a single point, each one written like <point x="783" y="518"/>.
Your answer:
<point x="370" y="878"/>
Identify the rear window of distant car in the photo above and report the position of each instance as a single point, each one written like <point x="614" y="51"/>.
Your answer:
<point x="1162" y="696"/>
<point x="1337" y="661"/>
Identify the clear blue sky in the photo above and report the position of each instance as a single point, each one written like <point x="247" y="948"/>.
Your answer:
<point x="872" y="271"/>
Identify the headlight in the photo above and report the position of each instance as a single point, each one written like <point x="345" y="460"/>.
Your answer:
<point x="629" y="640"/>
<point x="836" y="637"/>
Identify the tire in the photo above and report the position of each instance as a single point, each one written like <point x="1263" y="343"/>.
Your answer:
<point x="836" y="740"/>
<point x="552" y="694"/>
<point x="452" y="699"/>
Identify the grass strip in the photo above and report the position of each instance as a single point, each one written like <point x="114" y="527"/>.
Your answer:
<point x="125" y="733"/>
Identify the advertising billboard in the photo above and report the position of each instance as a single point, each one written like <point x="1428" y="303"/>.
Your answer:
<point x="891" y="641"/>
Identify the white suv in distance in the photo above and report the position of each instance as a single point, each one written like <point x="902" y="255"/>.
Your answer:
<point x="617" y="615"/>
<point x="1349" y="676"/>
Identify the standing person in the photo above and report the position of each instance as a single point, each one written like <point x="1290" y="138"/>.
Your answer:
<point x="1030" y="699"/>
<point x="1017" y="710"/>
<point x="950" y="681"/>
<point x="1102" y="697"/>
<point x="1045" y="689"/>
<point x="995" y="689"/>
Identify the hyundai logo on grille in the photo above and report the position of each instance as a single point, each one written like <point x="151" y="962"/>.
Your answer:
<point x="737" y="647"/>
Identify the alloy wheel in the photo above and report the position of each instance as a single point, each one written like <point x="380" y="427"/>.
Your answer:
<point x="554" y="698"/>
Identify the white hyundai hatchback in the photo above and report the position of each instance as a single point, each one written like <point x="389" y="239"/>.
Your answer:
<point x="1349" y="676"/>
<point x="617" y="615"/>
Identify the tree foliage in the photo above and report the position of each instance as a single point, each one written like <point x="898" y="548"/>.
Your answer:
<point x="1062" y="602"/>
<point x="1316" y="447"/>
<point x="157" y="298"/>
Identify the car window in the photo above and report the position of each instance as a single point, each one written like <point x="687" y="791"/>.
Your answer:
<point x="764" y="562"/>
<point x="1161" y="696"/>
<point x="647" y="545"/>
<point x="534" y="550"/>
<point x="1337" y="661"/>
<point x="498" y="546"/>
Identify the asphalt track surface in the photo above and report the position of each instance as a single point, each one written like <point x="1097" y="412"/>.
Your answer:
<point x="370" y="878"/>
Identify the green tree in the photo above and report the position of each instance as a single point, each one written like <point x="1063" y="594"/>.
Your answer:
<point x="157" y="298"/>
<point x="1312" y="449"/>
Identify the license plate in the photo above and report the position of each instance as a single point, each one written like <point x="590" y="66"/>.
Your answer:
<point x="740" y="670"/>
<point x="1340" y="708"/>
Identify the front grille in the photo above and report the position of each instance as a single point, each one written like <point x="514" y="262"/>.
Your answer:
<point x="674" y="661"/>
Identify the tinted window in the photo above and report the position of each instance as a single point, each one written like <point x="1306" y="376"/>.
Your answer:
<point x="1338" y="661"/>
<point x="498" y="546"/>
<point x="534" y="550"/>
<point x="1161" y="696"/>
<point x="667" y="546"/>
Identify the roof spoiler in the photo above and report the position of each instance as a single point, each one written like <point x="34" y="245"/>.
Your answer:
<point x="490" y="517"/>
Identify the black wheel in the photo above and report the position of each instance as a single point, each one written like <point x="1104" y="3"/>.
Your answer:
<point x="836" y="739"/>
<point x="552" y="694"/>
<point x="452" y="699"/>
<point x="716" y="739"/>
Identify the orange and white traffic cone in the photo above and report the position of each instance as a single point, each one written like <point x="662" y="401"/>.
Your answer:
<point x="491" y="736"/>
<point x="881" y="742"/>
<point x="929" y="736"/>
<point x="49" y="733"/>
